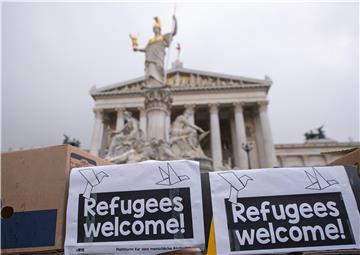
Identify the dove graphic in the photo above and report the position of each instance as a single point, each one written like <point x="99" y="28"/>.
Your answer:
<point x="170" y="177"/>
<point x="318" y="182"/>
<point x="92" y="179"/>
<point x="237" y="184"/>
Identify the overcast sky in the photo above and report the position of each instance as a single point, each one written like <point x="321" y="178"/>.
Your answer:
<point x="53" y="53"/>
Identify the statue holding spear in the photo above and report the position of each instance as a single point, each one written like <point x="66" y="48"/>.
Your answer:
<point x="155" y="73"/>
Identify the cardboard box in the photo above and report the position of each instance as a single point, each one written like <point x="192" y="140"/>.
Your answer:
<point x="34" y="196"/>
<point x="348" y="158"/>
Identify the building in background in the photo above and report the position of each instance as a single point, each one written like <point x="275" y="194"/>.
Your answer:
<point x="311" y="153"/>
<point x="233" y="108"/>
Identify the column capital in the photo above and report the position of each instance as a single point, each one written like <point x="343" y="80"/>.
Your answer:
<point x="120" y="109"/>
<point x="98" y="112"/>
<point x="141" y="109"/>
<point x="190" y="107"/>
<point x="106" y="118"/>
<point x="214" y="108"/>
<point x="263" y="105"/>
<point x="238" y="106"/>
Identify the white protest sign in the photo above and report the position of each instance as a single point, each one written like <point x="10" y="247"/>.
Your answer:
<point x="145" y="208"/>
<point x="284" y="210"/>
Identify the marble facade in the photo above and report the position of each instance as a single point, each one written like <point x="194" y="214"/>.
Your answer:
<point x="232" y="108"/>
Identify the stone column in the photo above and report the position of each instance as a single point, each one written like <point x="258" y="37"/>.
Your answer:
<point x="234" y="143"/>
<point x="168" y="126"/>
<point x="97" y="132"/>
<point x="120" y="118"/>
<point x="240" y="135"/>
<point x="304" y="159"/>
<point x="157" y="103"/>
<point x="216" y="149"/>
<point x="142" y="120"/>
<point x="105" y="136"/>
<point x="190" y="108"/>
<point x="259" y="141"/>
<point x="269" y="148"/>
<point x="280" y="160"/>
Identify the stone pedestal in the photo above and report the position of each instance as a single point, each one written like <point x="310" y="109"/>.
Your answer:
<point x="157" y="106"/>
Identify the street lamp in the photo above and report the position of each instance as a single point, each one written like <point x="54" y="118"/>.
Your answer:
<point x="247" y="147"/>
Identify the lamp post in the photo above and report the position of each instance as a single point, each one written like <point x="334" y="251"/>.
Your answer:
<point x="247" y="147"/>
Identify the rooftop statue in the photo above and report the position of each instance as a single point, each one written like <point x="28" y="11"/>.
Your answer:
<point x="73" y="141"/>
<point x="155" y="54"/>
<point x="311" y="135"/>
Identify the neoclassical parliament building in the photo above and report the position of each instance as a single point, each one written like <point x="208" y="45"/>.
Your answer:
<point x="233" y="108"/>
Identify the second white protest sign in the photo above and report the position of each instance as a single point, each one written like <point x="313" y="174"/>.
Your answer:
<point x="284" y="210"/>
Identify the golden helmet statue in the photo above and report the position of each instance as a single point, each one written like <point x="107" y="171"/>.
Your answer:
<point x="157" y="22"/>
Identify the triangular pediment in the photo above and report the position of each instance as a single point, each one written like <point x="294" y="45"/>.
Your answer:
<point x="182" y="79"/>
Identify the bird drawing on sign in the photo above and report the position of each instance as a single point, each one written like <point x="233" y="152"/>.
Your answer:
<point x="318" y="182"/>
<point x="170" y="177"/>
<point x="236" y="184"/>
<point x="92" y="179"/>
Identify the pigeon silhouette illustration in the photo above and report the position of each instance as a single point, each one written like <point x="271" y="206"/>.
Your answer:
<point x="92" y="179"/>
<point x="318" y="182"/>
<point x="170" y="177"/>
<point x="236" y="184"/>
